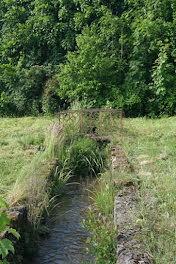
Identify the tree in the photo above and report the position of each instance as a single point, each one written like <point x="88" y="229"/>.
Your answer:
<point x="94" y="71"/>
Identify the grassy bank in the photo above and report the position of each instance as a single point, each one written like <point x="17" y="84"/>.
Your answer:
<point x="151" y="149"/>
<point x="37" y="157"/>
<point x="20" y="140"/>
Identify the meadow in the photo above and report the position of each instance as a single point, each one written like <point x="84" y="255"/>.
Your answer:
<point x="150" y="147"/>
<point x="20" y="140"/>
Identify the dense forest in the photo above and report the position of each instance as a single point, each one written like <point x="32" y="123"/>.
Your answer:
<point x="93" y="53"/>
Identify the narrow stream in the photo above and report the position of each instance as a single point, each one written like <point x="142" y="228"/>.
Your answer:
<point x="67" y="241"/>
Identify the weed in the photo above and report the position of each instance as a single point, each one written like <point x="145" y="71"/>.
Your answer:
<point x="103" y="238"/>
<point x="60" y="178"/>
<point x="100" y="223"/>
<point x="104" y="197"/>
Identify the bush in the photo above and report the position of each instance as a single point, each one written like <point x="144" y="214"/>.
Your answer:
<point x="84" y="157"/>
<point x="50" y="98"/>
<point x="4" y="101"/>
<point x="23" y="88"/>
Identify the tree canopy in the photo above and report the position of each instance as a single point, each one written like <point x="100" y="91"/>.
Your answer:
<point x="101" y="53"/>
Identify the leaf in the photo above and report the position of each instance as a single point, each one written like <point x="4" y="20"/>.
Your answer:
<point x="5" y="247"/>
<point x="4" y="221"/>
<point x="3" y="204"/>
<point x="13" y="232"/>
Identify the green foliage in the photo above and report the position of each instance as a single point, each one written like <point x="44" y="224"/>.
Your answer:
<point x="50" y="99"/>
<point x="92" y="73"/>
<point x="103" y="238"/>
<point x="164" y="82"/>
<point x="115" y="57"/>
<point x="60" y="178"/>
<point x="4" y="101"/>
<point x="105" y="199"/>
<point x="104" y="53"/>
<point x="100" y="221"/>
<point x="84" y="157"/>
<point x="6" y="245"/>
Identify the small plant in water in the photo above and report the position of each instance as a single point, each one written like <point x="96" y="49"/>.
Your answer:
<point x="60" y="178"/>
<point x="103" y="239"/>
<point x="100" y="222"/>
<point x="6" y="245"/>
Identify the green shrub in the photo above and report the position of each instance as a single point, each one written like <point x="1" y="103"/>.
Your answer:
<point x="23" y="90"/>
<point x="6" y="245"/>
<point x="4" y="101"/>
<point x="50" y="98"/>
<point x="84" y="157"/>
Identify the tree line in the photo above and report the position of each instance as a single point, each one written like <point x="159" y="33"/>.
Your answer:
<point x="97" y="53"/>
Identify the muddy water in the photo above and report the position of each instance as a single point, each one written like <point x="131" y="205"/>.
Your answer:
<point x="67" y="241"/>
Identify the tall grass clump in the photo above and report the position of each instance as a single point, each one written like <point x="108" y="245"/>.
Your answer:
<point x="84" y="157"/>
<point x="60" y="178"/>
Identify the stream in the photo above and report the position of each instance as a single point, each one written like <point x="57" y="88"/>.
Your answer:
<point x="67" y="241"/>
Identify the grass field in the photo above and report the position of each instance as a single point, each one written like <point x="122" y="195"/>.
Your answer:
<point x="151" y="148"/>
<point x="150" y="145"/>
<point x="20" y="140"/>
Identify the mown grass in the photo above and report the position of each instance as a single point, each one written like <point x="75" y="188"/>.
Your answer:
<point x="151" y="148"/>
<point x="20" y="140"/>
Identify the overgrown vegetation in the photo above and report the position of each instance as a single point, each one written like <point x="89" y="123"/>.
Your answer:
<point x="84" y="157"/>
<point x="100" y="53"/>
<point x="47" y="155"/>
<point x="42" y="158"/>
<point x="27" y="156"/>
<point x="100" y="222"/>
